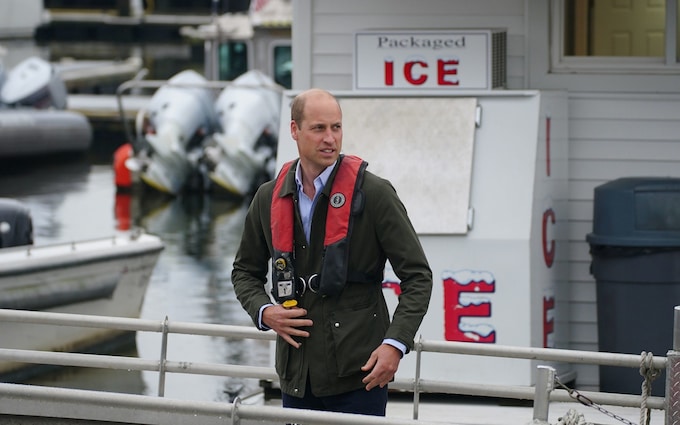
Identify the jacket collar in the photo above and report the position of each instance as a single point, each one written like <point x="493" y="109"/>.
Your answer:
<point x="289" y="187"/>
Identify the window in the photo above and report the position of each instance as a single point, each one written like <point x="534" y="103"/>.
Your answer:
<point x="233" y="60"/>
<point x="283" y="65"/>
<point x="615" y="35"/>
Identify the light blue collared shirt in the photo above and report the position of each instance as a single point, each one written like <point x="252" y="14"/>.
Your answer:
<point x="305" y="204"/>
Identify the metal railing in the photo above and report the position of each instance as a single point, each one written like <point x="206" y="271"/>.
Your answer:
<point x="138" y="407"/>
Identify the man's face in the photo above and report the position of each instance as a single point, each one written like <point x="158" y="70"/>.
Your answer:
<point x="319" y="135"/>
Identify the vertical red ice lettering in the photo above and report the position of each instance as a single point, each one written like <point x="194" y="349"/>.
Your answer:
<point x="548" y="246"/>
<point x="389" y="72"/>
<point x="548" y="320"/>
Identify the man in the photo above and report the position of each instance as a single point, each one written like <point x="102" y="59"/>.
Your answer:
<point x="336" y="348"/>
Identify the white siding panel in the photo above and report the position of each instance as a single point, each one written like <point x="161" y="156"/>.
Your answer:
<point x="332" y="44"/>
<point x="334" y="64"/>
<point x="586" y="328"/>
<point x="332" y="81"/>
<point x="580" y="257"/>
<point x="586" y="347"/>
<point x="515" y="43"/>
<point x="578" y="231"/>
<point x="581" y="190"/>
<point x="514" y="82"/>
<point x="515" y="66"/>
<point x="580" y="210"/>
<point x="587" y="376"/>
<point x="579" y="254"/>
<point x="624" y="128"/>
<point x="641" y="150"/>
<point x="605" y="170"/>
<point x="583" y="294"/>
<point x="582" y="280"/>
<point x="616" y="107"/>
<point x="334" y="24"/>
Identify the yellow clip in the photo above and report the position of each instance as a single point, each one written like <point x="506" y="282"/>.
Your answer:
<point x="289" y="303"/>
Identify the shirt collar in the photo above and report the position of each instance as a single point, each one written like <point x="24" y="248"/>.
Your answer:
<point x="319" y="182"/>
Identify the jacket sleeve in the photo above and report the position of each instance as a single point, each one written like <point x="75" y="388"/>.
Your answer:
<point x="402" y="248"/>
<point x="251" y="264"/>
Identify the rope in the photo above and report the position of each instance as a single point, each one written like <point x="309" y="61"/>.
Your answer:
<point x="649" y="373"/>
<point x="572" y="417"/>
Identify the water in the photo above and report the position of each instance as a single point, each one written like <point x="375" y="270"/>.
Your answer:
<point x="75" y="198"/>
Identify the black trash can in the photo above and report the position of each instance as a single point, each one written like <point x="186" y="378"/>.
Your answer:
<point x="635" y="252"/>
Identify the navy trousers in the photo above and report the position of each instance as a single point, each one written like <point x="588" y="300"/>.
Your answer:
<point x="360" y="401"/>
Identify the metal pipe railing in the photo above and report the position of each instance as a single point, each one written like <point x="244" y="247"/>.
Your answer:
<point x="542" y="394"/>
<point x="547" y="354"/>
<point x="129" y="408"/>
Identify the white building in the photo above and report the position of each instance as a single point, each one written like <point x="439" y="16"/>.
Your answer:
<point x="617" y="62"/>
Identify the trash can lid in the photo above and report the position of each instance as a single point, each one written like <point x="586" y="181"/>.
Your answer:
<point x="637" y="211"/>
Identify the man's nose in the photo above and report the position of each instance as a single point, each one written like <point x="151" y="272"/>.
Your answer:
<point x="328" y="136"/>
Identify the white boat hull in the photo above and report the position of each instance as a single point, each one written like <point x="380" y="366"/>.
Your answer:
<point x="32" y="132"/>
<point x="99" y="277"/>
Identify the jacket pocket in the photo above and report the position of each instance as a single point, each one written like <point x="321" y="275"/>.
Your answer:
<point x="356" y="333"/>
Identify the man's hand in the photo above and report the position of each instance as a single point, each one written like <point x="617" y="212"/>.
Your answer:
<point x="286" y="322"/>
<point x="383" y="364"/>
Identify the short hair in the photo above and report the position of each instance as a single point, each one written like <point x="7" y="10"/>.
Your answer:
<point x="297" y="106"/>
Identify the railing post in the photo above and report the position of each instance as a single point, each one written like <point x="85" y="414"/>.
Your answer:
<point x="416" y="384"/>
<point x="545" y="383"/>
<point x="672" y="401"/>
<point x="164" y="354"/>
<point x="235" y="420"/>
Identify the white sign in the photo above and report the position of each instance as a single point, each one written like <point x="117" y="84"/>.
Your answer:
<point x="422" y="60"/>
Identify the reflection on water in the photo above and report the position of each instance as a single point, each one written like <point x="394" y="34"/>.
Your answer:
<point x="76" y="199"/>
<point x="192" y="283"/>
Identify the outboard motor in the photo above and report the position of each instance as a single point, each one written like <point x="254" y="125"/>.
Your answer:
<point x="16" y="225"/>
<point x="34" y="82"/>
<point x="248" y="111"/>
<point x="179" y="117"/>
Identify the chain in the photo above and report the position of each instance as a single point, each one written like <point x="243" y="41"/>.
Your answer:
<point x="588" y="402"/>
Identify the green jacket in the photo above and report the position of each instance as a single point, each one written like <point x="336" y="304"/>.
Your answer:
<point x="347" y="327"/>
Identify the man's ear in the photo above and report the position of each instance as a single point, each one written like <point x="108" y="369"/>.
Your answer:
<point x="293" y="130"/>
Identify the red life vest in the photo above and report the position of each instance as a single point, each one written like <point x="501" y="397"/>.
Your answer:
<point x="345" y="199"/>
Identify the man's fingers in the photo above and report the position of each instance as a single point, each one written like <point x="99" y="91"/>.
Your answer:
<point x="290" y="340"/>
<point x="282" y="320"/>
<point x="382" y="364"/>
<point x="287" y="323"/>
<point x="370" y="363"/>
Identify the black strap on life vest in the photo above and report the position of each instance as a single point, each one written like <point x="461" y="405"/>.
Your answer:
<point x="345" y="201"/>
